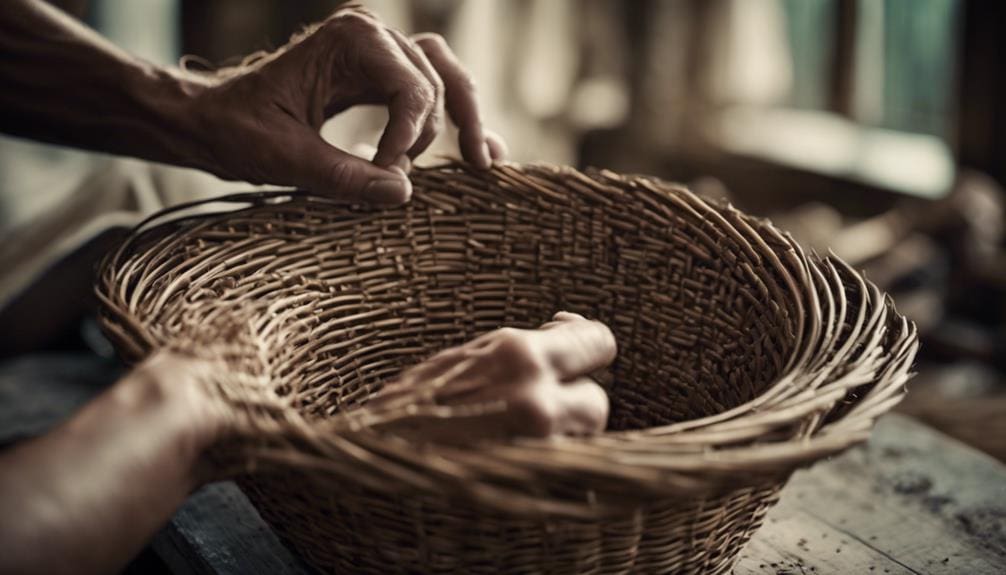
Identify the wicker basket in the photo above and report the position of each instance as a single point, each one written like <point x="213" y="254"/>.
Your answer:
<point x="741" y="359"/>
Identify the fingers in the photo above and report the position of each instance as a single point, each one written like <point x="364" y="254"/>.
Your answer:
<point x="435" y="118"/>
<point x="452" y="87"/>
<point x="361" y="150"/>
<point x="584" y="407"/>
<point x="330" y="171"/>
<point x="460" y="99"/>
<point x="407" y="113"/>
<point x="350" y="59"/>
<point x="560" y="317"/>
<point x="412" y="99"/>
<point x="574" y="345"/>
<point x="509" y="382"/>
<point x="497" y="146"/>
<point x="416" y="79"/>
<point x="580" y="407"/>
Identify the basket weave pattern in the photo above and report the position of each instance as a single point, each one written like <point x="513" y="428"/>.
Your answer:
<point x="741" y="358"/>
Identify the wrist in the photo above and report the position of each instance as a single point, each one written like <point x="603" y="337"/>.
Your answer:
<point x="169" y="393"/>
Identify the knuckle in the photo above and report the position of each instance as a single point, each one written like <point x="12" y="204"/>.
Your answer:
<point x="419" y="99"/>
<point x="466" y="82"/>
<point x="511" y="342"/>
<point x="515" y="350"/>
<point x="435" y="122"/>
<point x="607" y="340"/>
<point x="435" y="126"/>
<point x="426" y="93"/>
<point x="536" y="413"/>
<point x="438" y="88"/>
<point x="352" y="19"/>
<point x="598" y="409"/>
<point x="416" y="116"/>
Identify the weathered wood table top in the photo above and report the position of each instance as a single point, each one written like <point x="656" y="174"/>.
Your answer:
<point x="910" y="501"/>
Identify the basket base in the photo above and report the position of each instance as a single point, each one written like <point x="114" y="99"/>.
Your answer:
<point x="372" y="533"/>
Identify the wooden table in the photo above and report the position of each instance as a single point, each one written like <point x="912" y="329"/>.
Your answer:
<point x="910" y="501"/>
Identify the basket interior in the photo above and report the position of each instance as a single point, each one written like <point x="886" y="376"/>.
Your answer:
<point x="355" y="300"/>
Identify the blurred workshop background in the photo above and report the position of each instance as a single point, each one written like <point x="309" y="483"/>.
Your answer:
<point x="872" y="128"/>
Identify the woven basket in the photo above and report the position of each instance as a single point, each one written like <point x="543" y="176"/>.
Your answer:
<point x="741" y="359"/>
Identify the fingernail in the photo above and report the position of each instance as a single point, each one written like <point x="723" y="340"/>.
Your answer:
<point x="388" y="191"/>
<point x="566" y="316"/>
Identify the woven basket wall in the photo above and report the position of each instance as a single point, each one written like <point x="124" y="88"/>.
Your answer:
<point x="741" y="358"/>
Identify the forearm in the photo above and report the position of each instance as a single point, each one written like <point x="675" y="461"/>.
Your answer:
<point x="86" y="497"/>
<point x="65" y="84"/>
<point x="257" y="122"/>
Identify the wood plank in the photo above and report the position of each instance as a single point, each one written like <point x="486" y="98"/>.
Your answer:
<point x="801" y="543"/>
<point x="219" y="532"/>
<point x="910" y="501"/>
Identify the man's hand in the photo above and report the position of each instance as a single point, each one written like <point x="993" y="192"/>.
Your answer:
<point x="265" y="115"/>
<point x="118" y="469"/>
<point x="506" y="383"/>
<point x="257" y="122"/>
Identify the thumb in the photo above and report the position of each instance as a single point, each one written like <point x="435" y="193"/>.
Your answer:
<point x="329" y="171"/>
